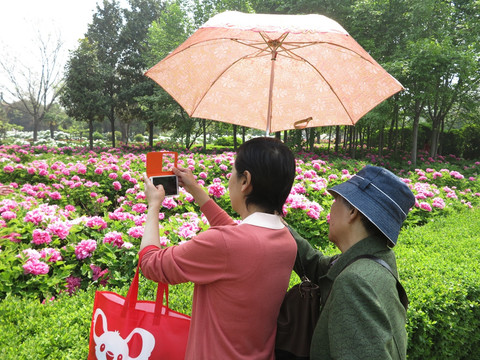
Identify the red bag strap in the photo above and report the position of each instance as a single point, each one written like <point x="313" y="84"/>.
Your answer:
<point x="132" y="295"/>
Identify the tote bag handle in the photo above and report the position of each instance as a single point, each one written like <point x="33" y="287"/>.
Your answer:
<point x="132" y="296"/>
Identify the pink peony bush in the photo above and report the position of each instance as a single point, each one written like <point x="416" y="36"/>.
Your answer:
<point x="76" y="218"/>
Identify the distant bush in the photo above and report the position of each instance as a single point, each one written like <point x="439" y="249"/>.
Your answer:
<point x="227" y="141"/>
<point x="98" y="136"/>
<point x="139" y="138"/>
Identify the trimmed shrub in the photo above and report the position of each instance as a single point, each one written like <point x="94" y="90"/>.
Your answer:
<point x="227" y="141"/>
<point x="437" y="264"/>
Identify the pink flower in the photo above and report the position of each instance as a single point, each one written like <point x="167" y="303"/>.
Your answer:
<point x="202" y="175"/>
<point x="97" y="223"/>
<point x="41" y="237"/>
<point x="114" y="238"/>
<point x="298" y="189"/>
<point x="136" y="232"/>
<point x="9" y="215"/>
<point x="313" y="214"/>
<point x="425" y="206"/>
<point x="216" y="189"/>
<point x="51" y="255"/>
<point x="456" y="175"/>
<point x="60" y="229"/>
<point x="332" y="177"/>
<point x="113" y="176"/>
<point x="55" y="195"/>
<point x="70" y="208"/>
<point x="8" y="169"/>
<point x="164" y="241"/>
<point x="169" y="203"/>
<point x="116" y="185"/>
<point x="438" y="203"/>
<point x="98" y="273"/>
<point x="139" y="208"/>
<point x="34" y="216"/>
<point x="85" y="248"/>
<point x="187" y="231"/>
<point x="73" y="284"/>
<point x="13" y="237"/>
<point x="35" y="267"/>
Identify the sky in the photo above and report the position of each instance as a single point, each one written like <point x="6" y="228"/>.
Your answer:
<point x="22" y="20"/>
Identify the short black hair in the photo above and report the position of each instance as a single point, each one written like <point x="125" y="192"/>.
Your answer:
<point x="272" y="167"/>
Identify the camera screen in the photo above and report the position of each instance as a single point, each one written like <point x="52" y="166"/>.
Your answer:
<point x="169" y="182"/>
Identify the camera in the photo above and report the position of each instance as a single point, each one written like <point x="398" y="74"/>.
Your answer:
<point x="169" y="183"/>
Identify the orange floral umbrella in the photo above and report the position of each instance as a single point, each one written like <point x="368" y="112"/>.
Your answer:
<point x="274" y="72"/>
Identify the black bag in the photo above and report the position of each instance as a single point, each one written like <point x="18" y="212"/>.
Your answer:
<point x="297" y="320"/>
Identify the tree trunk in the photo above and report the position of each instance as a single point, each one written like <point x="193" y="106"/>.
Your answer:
<point x="204" y="126"/>
<point x="311" y="139"/>
<point x="380" y="140"/>
<point x="337" y="138"/>
<point x="413" y="157"/>
<point x="150" y="133"/>
<point x="112" y="124"/>
<point x="235" y="138"/>
<point x="90" y="133"/>
<point x="36" y="124"/>
<point x="416" y="120"/>
<point x="353" y="142"/>
<point x="52" y="130"/>
<point x="329" y="138"/>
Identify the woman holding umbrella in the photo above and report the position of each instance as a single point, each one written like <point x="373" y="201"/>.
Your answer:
<point x="241" y="272"/>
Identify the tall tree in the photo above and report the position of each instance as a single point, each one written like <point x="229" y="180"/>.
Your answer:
<point x="104" y="32"/>
<point x="133" y="41"/>
<point x="83" y="92"/>
<point x="168" y="32"/>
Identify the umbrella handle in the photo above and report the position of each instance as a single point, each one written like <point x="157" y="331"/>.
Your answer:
<point x="302" y="124"/>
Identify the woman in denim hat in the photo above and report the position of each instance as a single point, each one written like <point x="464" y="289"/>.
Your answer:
<point x="363" y="314"/>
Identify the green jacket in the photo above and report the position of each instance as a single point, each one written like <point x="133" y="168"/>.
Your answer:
<point x="362" y="316"/>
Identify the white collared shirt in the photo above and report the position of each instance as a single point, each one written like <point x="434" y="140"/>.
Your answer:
<point x="264" y="220"/>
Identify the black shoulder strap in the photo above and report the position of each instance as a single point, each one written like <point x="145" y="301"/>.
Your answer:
<point x="401" y="291"/>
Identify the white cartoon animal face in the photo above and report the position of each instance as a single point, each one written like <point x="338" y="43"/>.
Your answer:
<point x="111" y="346"/>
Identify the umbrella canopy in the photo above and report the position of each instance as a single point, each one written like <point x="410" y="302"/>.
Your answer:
<point x="274" y="72"/>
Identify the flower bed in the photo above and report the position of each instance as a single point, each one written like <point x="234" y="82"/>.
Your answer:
<point x="76" y="217"/>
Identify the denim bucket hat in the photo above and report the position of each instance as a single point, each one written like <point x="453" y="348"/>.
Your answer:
<point x="379" y="195"/>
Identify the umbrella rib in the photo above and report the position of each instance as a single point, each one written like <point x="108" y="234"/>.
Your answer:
<point x="331" y="88"/>
<point x="296" y="45"/>
<point x="214" y="81"/>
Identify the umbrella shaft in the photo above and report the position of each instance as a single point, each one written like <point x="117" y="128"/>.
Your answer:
<point x="270" y="92"/>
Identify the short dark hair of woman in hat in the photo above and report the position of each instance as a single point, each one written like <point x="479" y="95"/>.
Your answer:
<point x="362" y="315"/>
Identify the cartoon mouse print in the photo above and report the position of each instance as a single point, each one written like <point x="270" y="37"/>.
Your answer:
<point x="111" y="346"/>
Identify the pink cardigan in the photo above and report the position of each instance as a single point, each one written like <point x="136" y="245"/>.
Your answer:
<point x="241" y="274"/>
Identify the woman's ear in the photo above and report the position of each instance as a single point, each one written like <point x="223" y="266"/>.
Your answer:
<point x="246" y="182"/>
<point x="354" y="214"/>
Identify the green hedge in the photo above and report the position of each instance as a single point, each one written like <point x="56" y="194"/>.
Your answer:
<point x="437" y="264"/>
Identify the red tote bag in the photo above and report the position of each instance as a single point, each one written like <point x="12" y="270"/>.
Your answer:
<point x="129" y="329"/>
